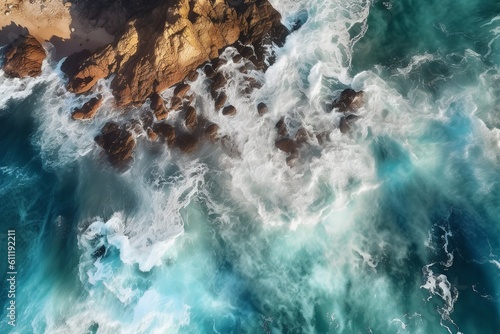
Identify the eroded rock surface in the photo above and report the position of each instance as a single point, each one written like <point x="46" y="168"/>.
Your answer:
<point x="158" y="50"/>
<point x="23" y="57"/>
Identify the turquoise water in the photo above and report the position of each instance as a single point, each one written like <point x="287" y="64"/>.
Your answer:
<point x="394" y="228"/>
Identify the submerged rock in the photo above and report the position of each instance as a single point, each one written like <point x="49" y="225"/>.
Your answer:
<point x="88" y="110"/>
<point x="187" y="143"/>
<point x="166" y="132"/>
<point x="117" y="143"/>
<point x="212" y="132"/>
<point x="349" y="100"/>
<point x="346" y="121"/>
<point x="286" y="145"/>
<point x="281" y="127"/>
<point x="23" y="57"/>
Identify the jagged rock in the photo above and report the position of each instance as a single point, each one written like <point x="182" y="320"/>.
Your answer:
<point x="175" y="103"/>
<point x="187" y="143"/>
<point x="209" y="71"/>
<point x="192" y="76"/>
<point x="117" y="143"/>
<point x="218" y="81"/>
<point x="190" y="119"/>
<point x="166" y="132"/>
<point x="349" y="100"/>
<point x="346" y="121"/>
<point x="158" y="106"/>
<point x="181" y="90"/>
<point x="88" y="110"/>
<point x="281" y="127"/>
<point x="220" y="101"/>
<point x="229" y="111"/>
<point x="23" y="57"/>
<point x="152" y="136"/>
<point x="156" y="51"/>
<point x="212" y="132"/>
<point x="146" y="119"/>
<point x="262" y="108"/>
<point x="286" y="145"/>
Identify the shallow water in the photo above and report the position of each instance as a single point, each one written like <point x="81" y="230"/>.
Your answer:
<point x="394" y="228"/>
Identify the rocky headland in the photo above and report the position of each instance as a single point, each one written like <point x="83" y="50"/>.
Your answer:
<point x="157" y="45"/>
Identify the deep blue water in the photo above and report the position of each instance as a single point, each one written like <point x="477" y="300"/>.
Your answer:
<point x="393" y="228"/>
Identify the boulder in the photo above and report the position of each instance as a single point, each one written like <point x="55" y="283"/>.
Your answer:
<point x="190" y="119"/>
<point x="23" y="57"/>
<point x="262" y="108"/>
<point x="220" y="100"/>
<point x="117" y="143"/>
<point x="88" y="110"/>
<point x="346" y="121"/>
<point x="281" y="127"/>
<point x="229" y="111"/>
<point x="166" y="132"/>
<point x="181" y="89"/>
<point x="158" y="106"/>
<point x="212" y="132"/>
<point x="349" y="100"/>
<point x="301" y="136"/>
<point x="286" y="145"/>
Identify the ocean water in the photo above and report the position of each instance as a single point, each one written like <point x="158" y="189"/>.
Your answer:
<point x="393" y="228"/>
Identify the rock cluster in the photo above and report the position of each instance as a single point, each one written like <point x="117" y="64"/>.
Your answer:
<point x="156" y="51"/>
<point x="23" y="57"/>
<point x="348" y="103"/>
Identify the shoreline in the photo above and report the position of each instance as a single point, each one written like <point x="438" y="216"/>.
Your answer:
<point x="54" y="22"/>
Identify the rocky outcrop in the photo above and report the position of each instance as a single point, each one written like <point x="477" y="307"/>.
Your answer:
<point x="118" y="144"/>
<point x="349" y="100"/>
<point x="88" y="110"/>
<point x="23" y="57"/>
<point x="156" y="51"/>
<point x="346" y="122"/>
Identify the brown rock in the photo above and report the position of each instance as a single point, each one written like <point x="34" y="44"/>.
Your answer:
<point x="23" y="57"/>
<point x="88" y="110"/>
<point x="158" y="50"/>
<point x="229" y="111"/>
<point x="212" y="132"/>
<point x="217" y="63"/>
<point x="165" y="131"/>
<point x="209" y="71"/>
<point x="117" y="143"/>
<point x="262" y="108"/>
<point x="187" y="143"/>
<point x="286" y="145"/>
<point x="181" y="89"/>
<point x="220" y="101"/>
<point x="218" y="81"/>
<point x="281" y="127"/>
<point x="237" y="58"/>
<point x="158" y="106"/>
<point x="175" y="103"/>
<point x="152" y="136"/>
<point x="192" y="76"/>
<point x="190" y="119"/>
<point x="349" y="100"/>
